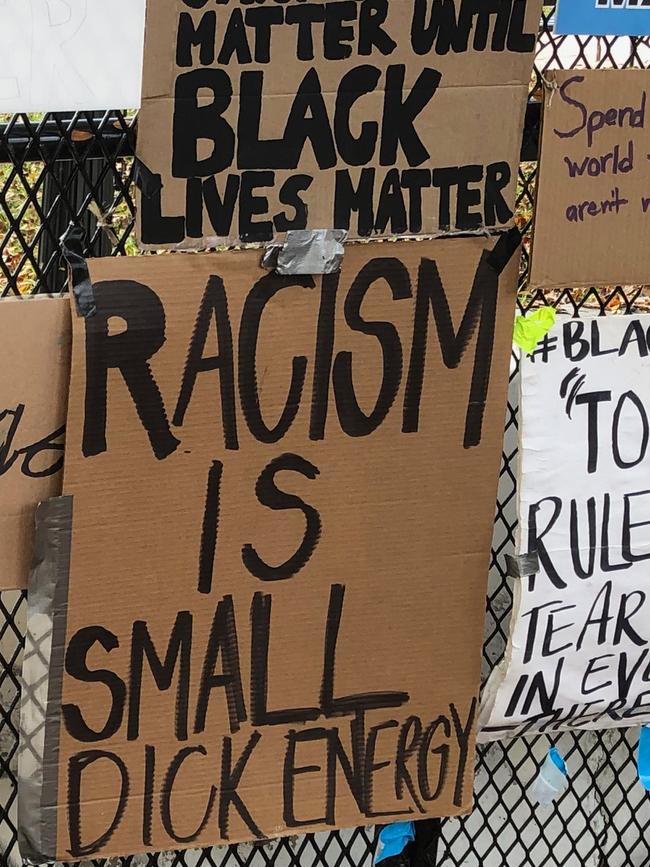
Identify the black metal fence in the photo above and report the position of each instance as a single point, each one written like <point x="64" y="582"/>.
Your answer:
<point x="79" y="168"/>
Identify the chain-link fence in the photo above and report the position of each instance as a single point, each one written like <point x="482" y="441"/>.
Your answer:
<point x="79" y="168"/>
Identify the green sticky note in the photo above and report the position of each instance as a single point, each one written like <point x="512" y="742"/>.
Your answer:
<point x="533" y="327"/>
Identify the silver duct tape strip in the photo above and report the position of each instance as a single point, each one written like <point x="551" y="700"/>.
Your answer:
<point x="316" y="251"/>
<point x="523" y="565"/>
<point x="40" y="708"/>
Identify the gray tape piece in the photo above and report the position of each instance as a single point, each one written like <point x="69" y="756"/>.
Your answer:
<point x="504" y="249"/>
<point x="315" y="251"/>
<point x="523" y="565"/>
<point x="145" y="180"/>
<point x="40" y="708"/>
<point x="72" y="249"/>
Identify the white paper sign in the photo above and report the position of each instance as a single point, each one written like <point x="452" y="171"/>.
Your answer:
<point x="578" y="654"/>
<point x="70" y="55"/>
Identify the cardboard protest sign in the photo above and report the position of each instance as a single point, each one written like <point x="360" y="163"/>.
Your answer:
<point x="577" y="654"/>
<point x="50" y="50"/>
<point x="34" y="377"/>
<point x="603" y="17"/>
<point x="282" y="502"/>
<point x="381" y="118"/>
<point x="593" y="188"/>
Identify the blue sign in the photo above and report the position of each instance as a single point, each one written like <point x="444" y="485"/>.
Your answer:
<point x="603" y="17"/>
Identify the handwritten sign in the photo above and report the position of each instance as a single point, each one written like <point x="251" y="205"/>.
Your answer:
<point x="266" y="514"/>
<point x="49" y="55"/>
<point x="380" y="118"/>
<point x="578" y="654"/>
<point x="593" y="193"/>
<point x="35" y="340"/>
<point x="603" y="17"/>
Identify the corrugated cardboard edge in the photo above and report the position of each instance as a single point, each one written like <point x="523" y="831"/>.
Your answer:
<point x="40" y="709"/>
<point x="217" y="244"/>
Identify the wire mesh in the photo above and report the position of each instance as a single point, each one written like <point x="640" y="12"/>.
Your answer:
<point x="79" y="168"/>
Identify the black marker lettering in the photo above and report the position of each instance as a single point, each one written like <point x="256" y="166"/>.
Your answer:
<point x="271" y="496"/>
<point x="166" y="796"/>
<point x="76" y="666"/>
<point x="222" y="643"/>
<point x="179" y="651"/>
<point x="129" y="352"/>
<point x="77" y="764"/>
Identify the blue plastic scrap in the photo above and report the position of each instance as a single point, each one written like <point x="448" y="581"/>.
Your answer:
<point x="643" y="758"/>
<point x="552" y="780"/>
<point x="393" y="839"/>
<point x="557" y="760"/>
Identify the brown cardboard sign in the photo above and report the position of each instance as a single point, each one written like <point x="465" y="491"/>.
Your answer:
<point x="283" y="495"/>
<point x="380" y="117"/>
<point x="593" y="189"/>
<point x="34" y="377"/>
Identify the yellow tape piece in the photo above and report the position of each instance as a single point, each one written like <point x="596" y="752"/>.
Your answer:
<point x="533" y="327"/>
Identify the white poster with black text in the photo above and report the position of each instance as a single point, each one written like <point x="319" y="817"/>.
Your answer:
<point x="578" y="654"/>
<point x="70" y="55"/>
